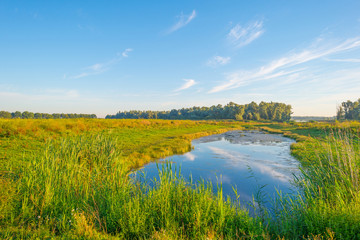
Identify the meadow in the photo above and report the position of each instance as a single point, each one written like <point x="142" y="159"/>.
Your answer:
<point x="69" y="179"/>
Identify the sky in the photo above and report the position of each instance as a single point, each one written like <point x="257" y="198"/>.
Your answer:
<point x="107" y="56"/>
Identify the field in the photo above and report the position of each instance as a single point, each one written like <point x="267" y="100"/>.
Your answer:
<point x="68" y="179"/>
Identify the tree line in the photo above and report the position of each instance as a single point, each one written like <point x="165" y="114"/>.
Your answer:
<point x="264" y="111"/>
<point x="348" y="110"/>
<point x="31" y="115"/>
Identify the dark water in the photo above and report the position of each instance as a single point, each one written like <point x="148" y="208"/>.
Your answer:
<point x="247" y="160"/>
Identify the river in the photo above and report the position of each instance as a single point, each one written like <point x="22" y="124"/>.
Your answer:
<point x="253" y="162"/>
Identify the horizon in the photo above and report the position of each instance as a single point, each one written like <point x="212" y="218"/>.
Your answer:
<point x="98" y="58"/>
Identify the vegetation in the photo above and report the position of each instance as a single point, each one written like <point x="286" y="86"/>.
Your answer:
<point x="327" y="206"/>
<point x="31" y="115"/>
<point x="349" y="110"/>
<point x="312" y="118"/>
<point x="252" y="111"/>
<point x="69" y="179"/>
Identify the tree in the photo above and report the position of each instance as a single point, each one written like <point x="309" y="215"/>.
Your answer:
<point x="47" y="116"/>
<point x="5" y="114"/>
<point x="38" y="115"/>
<point x="349" y="110"/>
<point x="27" y="115"/>
<point x="251" y="111"/>
<point x="239" y="116"/>
<point x="263" y="110"/>
<point x="340" y="113"/>
<point x="16" y="114"/>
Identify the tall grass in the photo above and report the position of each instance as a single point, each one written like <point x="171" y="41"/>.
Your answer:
<point x="328" y="204"/>
<point x="79" y="188"/>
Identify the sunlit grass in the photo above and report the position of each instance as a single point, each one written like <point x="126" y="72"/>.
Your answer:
<point x="70" y="179"/>
<point x="79" y="187"/>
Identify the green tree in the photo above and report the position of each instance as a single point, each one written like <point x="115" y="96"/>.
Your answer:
<point x="47" y="116"/>
<point x="16" y="114"/>
<point x="263" y="110"/>
<point x="340" y="113"/>
<point x="5" y="114"/>
<point x="27" y="115"/>
<point x="38" y="115"/>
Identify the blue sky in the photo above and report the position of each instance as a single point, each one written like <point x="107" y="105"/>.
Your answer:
<point x="104" y="56"/>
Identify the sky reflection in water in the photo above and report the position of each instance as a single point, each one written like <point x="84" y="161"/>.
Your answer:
<point x="245" y="159"/>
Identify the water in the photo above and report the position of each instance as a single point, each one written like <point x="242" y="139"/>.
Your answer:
<point x="247" y="160"/>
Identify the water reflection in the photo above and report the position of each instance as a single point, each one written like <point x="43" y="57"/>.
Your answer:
<point x="245" y="159"/>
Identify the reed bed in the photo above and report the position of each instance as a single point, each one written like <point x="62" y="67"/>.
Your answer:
<point x="79" y="188"/>
<point x="328" y="203"/>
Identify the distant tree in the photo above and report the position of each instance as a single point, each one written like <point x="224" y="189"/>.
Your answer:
<point x="239" y="116"/>
<point x="349" y="110"/>
<point x="263" y="106"/>
<point x="5" y="114"/>
<point x="256" y="116"/>
<point x="16" y="114"/>
<point x="27" y="115"/>
<point x="38" y="115"/>
<point x="47" y="116"/>
<point x="251" y="111"/>
<point x="30" y="115"/>
<point x="340" y="113"/>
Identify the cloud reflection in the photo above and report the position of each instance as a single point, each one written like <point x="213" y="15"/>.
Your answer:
<point x="189" y="156"/>
<point x="241" y="161"/>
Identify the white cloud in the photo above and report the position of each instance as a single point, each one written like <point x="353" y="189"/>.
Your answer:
<point x="189" y="156"/>
<point x="351" y="60"/>
<point x="183" y="21"/>
<point x="125" y="53"/>
<point x="287" y="64"/>
<point x="240" y="36"/>
<point x="98" y="68"/>
<point x="218" y="60"/>
<point x="236" y="160"/>
<point x="188" y="83"/>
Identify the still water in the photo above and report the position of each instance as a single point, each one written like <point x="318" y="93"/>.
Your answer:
<point x="247" y="160"/>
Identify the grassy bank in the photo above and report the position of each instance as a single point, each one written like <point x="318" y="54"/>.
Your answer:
<point x="68" y="179"/>
<point x="328" y="205"/>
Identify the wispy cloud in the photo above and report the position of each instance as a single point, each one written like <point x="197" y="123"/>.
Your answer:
<point x="350" y="60"/>
<point x="218" y="60"/>
<point x="125" y="53"/>
<point x="240" y="36"/>
<point x="287" y="64"/>
<point x="98" y="68"/>
<point x="94" y="69"/>
<point x="188" y="83"/>
<point x="182" y="22"/>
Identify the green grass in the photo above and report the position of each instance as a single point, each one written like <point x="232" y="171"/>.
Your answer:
<point x="69" y="179"/>
<point x="79" y="188"/>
